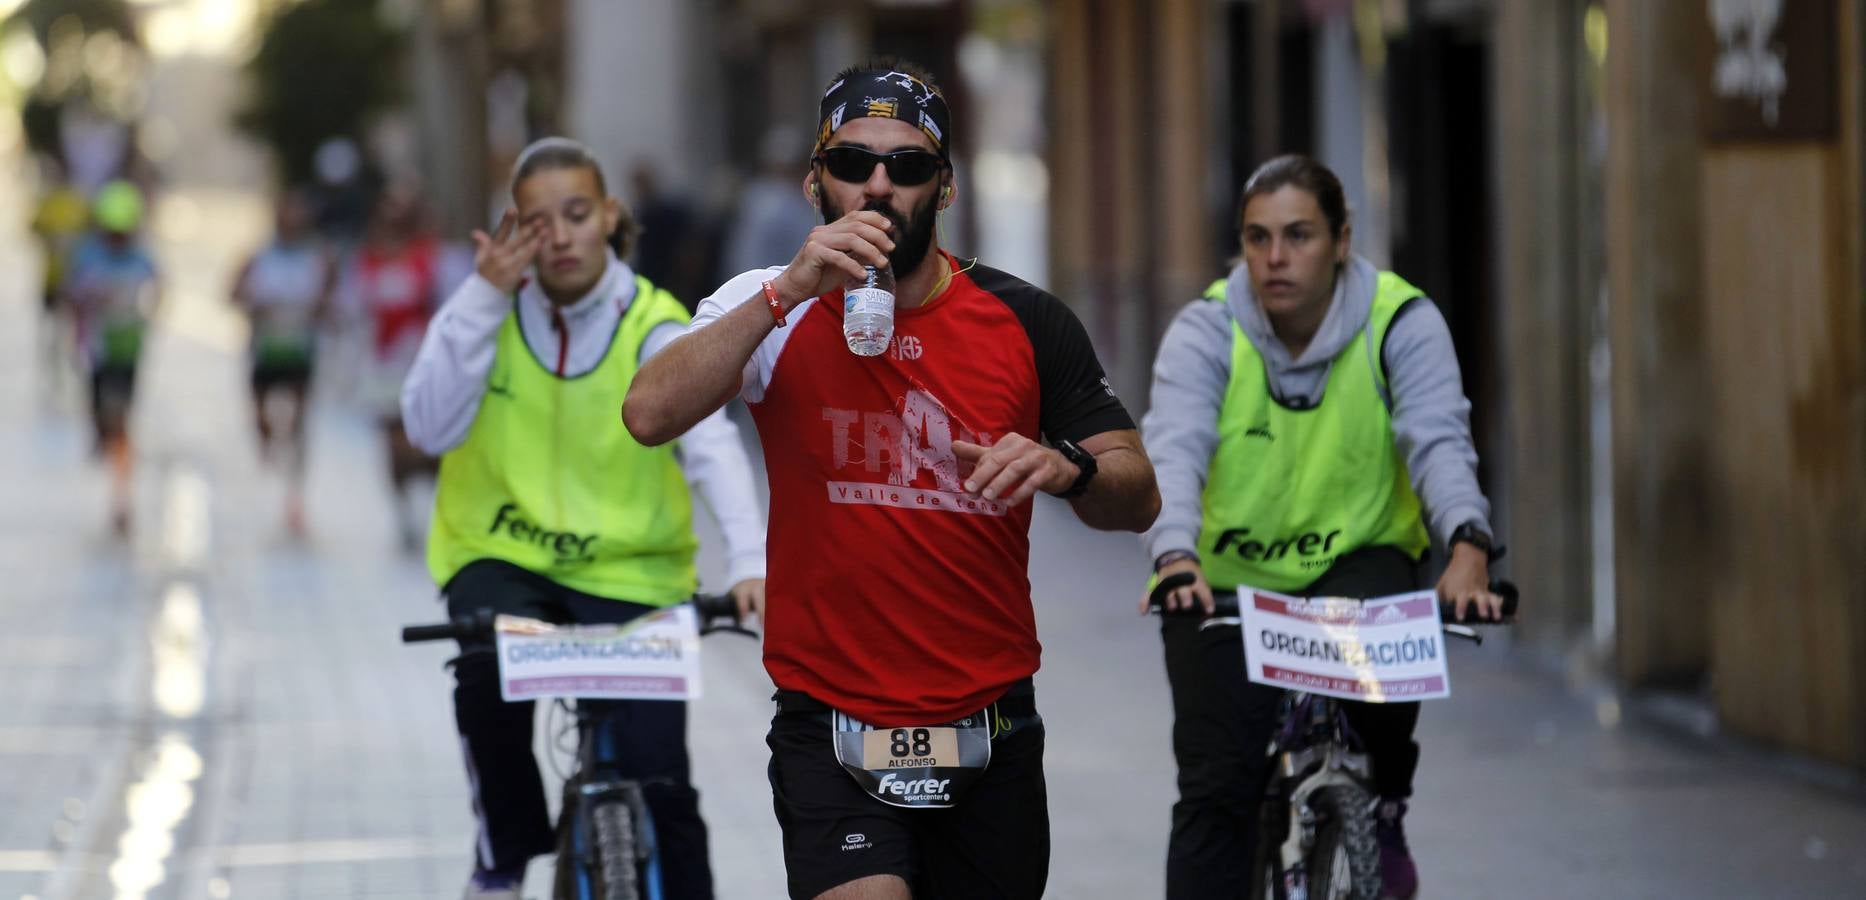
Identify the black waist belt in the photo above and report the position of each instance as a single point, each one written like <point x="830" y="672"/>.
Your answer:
<point x="1020" y="699"/>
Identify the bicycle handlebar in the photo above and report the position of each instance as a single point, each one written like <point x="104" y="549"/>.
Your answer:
<point x="475" y="626"/>
<point x="717" y="612"/>
<point x="716" y="608"/>
<point x="1226" y="602"/>
<point x="415" y="634"/>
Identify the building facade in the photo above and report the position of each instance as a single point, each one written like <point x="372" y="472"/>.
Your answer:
<point x="1644" y="224"/>
<point x="1642" y="220"/>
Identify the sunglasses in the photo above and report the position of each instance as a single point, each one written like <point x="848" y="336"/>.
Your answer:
<point x="905" y="167"/>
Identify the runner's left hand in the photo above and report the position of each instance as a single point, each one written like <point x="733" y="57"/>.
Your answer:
<point x="749" y="597"/>
<point x="1014" y="469"/>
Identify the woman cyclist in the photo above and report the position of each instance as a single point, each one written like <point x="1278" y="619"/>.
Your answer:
<point x="1311" y="436"/>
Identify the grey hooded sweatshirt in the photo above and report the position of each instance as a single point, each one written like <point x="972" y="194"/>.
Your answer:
<point x="1431" y="417"/>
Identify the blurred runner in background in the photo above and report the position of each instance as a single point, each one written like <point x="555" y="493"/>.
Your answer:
<point x="393" y="281"/>
<point x="58" y="221"/>
<point x="112" y="290"/>
<point x="284" y="289"/>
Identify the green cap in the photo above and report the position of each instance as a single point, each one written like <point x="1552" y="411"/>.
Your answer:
<point x="118" y="207"/>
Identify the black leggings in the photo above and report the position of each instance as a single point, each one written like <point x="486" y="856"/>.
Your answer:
<point x="1222" y="722"/>
<point x="508" y="791"/>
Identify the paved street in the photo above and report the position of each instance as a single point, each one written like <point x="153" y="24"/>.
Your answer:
<point x="213" y="709"/>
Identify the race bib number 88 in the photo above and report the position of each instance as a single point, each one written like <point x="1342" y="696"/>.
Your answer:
<point x="903" y="748"/>
<point x="916" y="766"/>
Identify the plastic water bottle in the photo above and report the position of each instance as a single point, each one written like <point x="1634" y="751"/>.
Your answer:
<point x="868" y="312"/>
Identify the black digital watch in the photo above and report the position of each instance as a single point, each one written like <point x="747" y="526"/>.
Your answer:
<point x="1083" y="460"/>
<point x="1468" y="534"/>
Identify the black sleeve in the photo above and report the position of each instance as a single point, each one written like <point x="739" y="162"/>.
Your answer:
<point x="1076" y="399"/>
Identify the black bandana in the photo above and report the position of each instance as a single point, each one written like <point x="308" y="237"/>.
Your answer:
<point x="891" y="95"/>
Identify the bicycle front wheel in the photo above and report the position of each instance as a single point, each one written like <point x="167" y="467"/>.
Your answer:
<point x="612" y="823"/>
<point x="1345" y="861"/>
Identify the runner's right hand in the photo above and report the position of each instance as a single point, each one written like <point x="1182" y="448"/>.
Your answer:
<point x="1198" y="592"/>
<point x="834" y="255"/>
<point x="503" y="256"/>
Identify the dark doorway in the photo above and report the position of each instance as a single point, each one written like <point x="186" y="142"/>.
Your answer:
<point x="1438" y="135"/>
<point x="1293" y="129"/>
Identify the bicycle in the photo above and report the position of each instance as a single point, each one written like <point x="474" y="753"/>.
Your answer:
<point x="606" y="847"/>
<point x="1318" y="806"/>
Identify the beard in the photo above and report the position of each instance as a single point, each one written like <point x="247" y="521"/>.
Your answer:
<point x="913" y="236"/>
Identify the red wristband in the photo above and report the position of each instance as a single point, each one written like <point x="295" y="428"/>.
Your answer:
<point x="777" y="306"/>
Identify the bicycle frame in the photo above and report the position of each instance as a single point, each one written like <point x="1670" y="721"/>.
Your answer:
<point x="596" y="784"/>
<point x="1314" y="749"/>
<point x="595" y="781"/>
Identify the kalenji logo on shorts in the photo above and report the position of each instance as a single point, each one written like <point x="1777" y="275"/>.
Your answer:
<point x="899" y="451"/>
<point x="857" y="841"/>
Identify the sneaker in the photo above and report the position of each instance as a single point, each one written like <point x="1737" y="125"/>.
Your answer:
<point x="1398" y="878"/>
<point x="492" y="886"/>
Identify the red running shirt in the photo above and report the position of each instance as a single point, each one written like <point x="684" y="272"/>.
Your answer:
<point x="400" y="291"/>
<point x="891" y="595"/>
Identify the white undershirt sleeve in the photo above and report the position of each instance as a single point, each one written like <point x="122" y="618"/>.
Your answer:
<point x="713" y="457"/>
<point x="441" y="394"/>
<point x="742" y="289"/>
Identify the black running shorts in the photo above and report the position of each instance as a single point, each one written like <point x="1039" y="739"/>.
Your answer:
<point x="268" y="375"/>
<point x="994" y="844"/>
<point x="113" y="388"/>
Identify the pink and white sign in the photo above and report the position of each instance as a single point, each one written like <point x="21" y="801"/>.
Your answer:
<point x="1380" y="650"/>
<point x="656" y="657"/>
